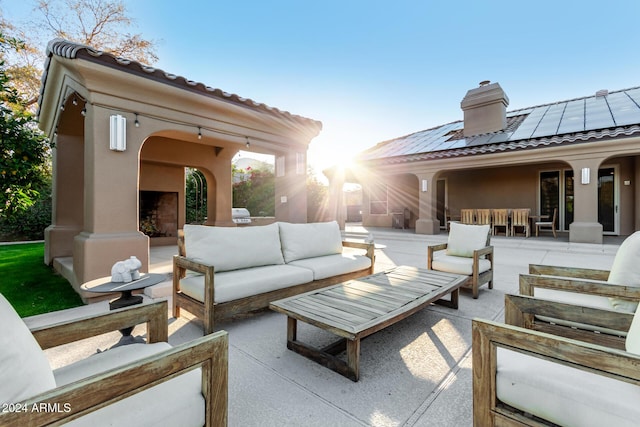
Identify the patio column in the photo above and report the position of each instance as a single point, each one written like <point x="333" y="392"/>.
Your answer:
<point x="220" y="191"/>
<point x="585" y="227"/>
<point x="427" y="222"/>
<point x="335" y="208"/>
<point x="291" y="186"/>
<point x="110" y="227"/>
<point x="67" y="191"/>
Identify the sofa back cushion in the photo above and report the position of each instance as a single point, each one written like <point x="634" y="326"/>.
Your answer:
<point x="626" y="270"/>
<point x="24" y="368"/>
<point x="233" y="248"/>
<point x="310" y="240"/>
<point x="464" y="239"/>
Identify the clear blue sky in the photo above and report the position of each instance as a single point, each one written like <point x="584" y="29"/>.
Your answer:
<point x="375" y="70"/>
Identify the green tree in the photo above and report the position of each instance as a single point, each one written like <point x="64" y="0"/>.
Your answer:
<point x="196" y="197"/>
<point x="24" y="150"/>
<point x="257" y="193"/>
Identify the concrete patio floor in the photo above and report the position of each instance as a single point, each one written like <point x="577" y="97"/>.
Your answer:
<point x="414" y="373"/>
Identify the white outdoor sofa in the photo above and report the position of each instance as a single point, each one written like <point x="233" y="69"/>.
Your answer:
<point x="224" y="271"/>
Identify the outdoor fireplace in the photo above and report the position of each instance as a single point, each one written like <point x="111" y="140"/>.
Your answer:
<point x="159" y="213"/>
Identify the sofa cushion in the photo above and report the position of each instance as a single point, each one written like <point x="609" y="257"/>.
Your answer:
<point x="310" y="240"/>
<point x="178" y="401"/>
<point x="333" y="265"/>
<point x="233" y="248"/>
<point x="458" y="264"/>
<point x="24" y="368"/>
<point x="626" y="270"/>
<point x="232" y="285"/>
<point x="464" y="239"/>
<point x="548" y="389"/>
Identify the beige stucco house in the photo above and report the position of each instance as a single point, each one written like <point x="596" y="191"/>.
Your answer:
<point x="581" y="156"/>
<point x="124" y="133"/>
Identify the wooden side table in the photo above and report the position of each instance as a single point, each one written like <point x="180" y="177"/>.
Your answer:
<point x="126" y="299"/>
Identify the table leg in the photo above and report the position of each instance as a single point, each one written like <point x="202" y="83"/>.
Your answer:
<point x="452" y="302"/>
<point x="292" y="329"/>
<point x="353" y="358"/>
<point x="126" y="299"/>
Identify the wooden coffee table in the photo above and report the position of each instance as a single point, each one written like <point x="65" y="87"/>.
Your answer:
<point x="358" y="308"/>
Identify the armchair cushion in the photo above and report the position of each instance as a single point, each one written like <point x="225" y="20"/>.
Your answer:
<point x="632" y="342"/>
<point x="464" y="239"/>
<point x="233" y="248"/>
<point x="626" y="270"/>
<point x="458" y="265"/>
<point x="546" y="389"/>
<point x="183" y="392"/>
<point x="24" y="368"/>
<point x="301" y="241"/>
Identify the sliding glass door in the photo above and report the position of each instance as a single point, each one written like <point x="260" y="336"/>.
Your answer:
<point x="550" y="190"/>
<point x="556" y="191"/>
<point x="607" y="205"/>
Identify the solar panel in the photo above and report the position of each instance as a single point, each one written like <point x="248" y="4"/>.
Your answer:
<point x="548" y="124"/>
<point x="625" y="110"/>
<point x="527" y="127"/>
<point x="573" y="117"/>
<point x="597" y="114"/>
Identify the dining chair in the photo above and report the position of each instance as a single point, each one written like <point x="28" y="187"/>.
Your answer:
<point x="549" y="225"/>
<point x="483" y="217"/>
<point x="500" y="218"/>
<point x="467" y="216"/>
<point x="520" y="219"/>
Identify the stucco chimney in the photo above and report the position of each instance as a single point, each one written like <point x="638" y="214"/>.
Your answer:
<point x="485" y="109"/>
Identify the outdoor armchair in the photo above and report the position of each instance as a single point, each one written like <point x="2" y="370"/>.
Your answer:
<point x="466" y="252"/>
<point x="527" y="377"/>
<point x="615" y="289"/>
<point x="137" y="384"/>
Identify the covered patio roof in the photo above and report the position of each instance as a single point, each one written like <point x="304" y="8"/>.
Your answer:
<point x="167" y="123"/>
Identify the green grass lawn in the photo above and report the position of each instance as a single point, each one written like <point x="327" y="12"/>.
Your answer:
<point x="31" y="286"/>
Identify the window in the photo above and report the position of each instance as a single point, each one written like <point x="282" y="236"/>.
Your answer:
<point x="379" y="200"/>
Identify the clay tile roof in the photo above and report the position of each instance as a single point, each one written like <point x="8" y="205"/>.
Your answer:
<point x="605" y="115"/>
<point x="71" y="50"/>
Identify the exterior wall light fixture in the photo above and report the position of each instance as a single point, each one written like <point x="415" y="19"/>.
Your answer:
<point x="118" y="133"/>
<point x="586" y="176"/>
<point x="424" y="186"/>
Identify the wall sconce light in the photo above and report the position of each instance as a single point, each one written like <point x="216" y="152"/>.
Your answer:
<point x="248" y="144"/>
<point x="586" y="176"/>
<point x="199" y="132"/>
<point x="136" y="122"/>
<point x="118" y="133"/>
<point x="425" y="184"/>
<point x="83" y="112"/>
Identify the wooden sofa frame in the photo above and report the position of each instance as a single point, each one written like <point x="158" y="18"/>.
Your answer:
<point x="210" y="353"/>
<point x="594" y="356"/>
<point x="476" y="279"/>
<point x="211" y="312"/>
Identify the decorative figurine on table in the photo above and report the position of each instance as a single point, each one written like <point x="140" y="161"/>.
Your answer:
<point x="126" y="271"/>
